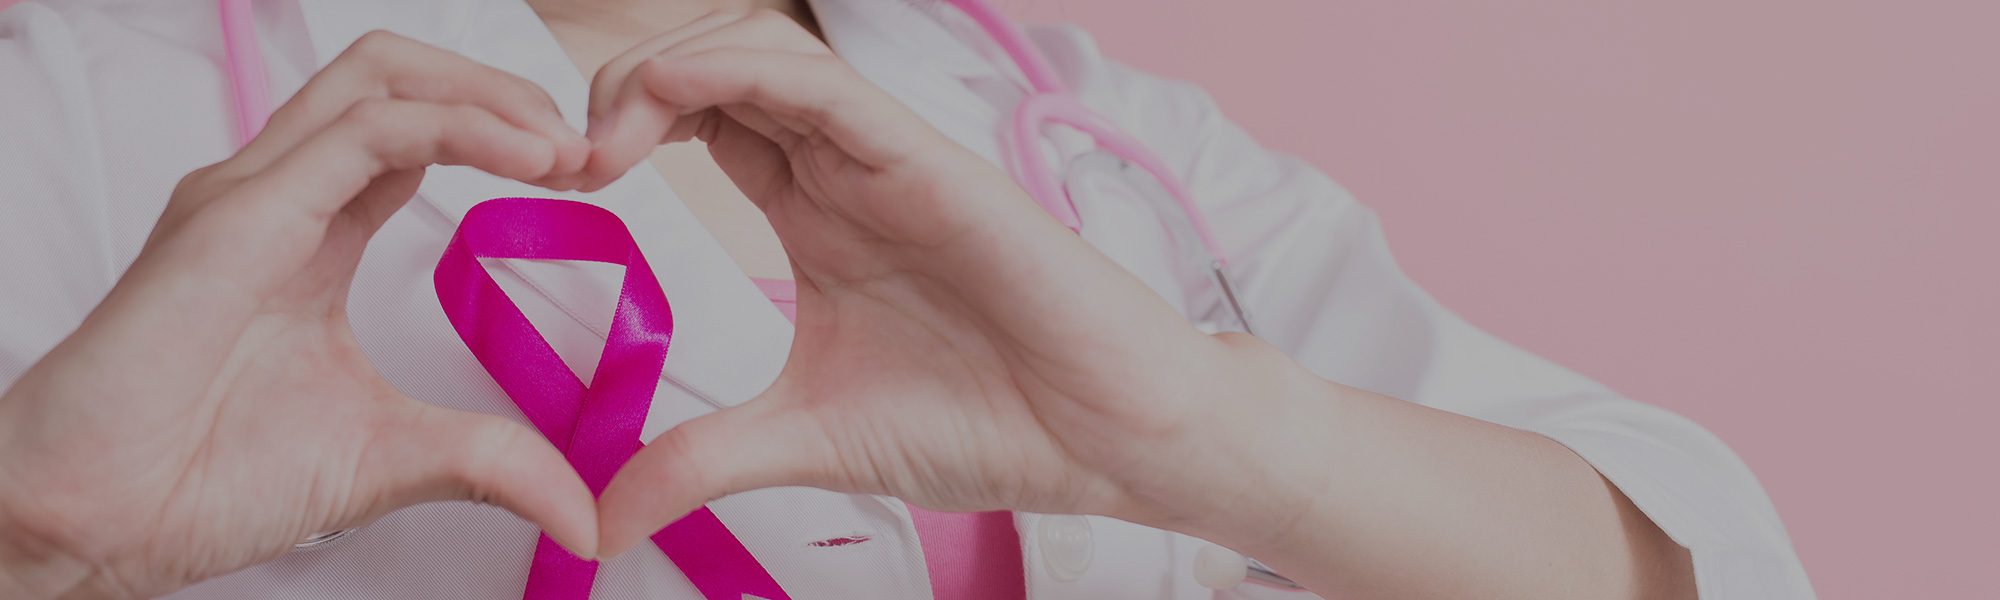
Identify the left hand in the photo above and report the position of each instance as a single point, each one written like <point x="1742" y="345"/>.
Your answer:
<point x="956" y="346"/>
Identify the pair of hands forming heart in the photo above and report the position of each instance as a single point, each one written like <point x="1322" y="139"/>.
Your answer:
<point x="956" y="347"/>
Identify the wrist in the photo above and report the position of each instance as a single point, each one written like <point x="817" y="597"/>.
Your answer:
<point x="1256" y="464"/>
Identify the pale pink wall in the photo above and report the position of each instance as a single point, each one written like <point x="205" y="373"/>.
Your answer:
<point x="1779" y="217"/>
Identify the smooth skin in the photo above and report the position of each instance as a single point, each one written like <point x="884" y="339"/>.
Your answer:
<point x="956" y="348"/>
<point x="215" y="408"/>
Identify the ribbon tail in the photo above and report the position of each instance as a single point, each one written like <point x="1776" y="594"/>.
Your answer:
<point x="558" y="575"/>
<point x="700" y="544"/>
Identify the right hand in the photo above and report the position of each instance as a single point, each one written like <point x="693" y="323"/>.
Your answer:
<point x="215" y="408"/>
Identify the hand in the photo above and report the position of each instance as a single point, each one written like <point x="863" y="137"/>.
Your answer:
<point x="956" y="346"/>
<point x="215" y="408"/>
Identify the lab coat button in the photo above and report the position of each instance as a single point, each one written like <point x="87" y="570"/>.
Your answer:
<point x="1067" y="546"/>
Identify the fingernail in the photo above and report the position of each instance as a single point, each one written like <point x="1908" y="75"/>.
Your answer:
<point x="612" y="555"/>
<point x="600" y="127"/>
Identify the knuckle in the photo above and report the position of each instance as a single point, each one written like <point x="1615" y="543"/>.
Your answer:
<point x="465" y="122"/>
<point x="767" y="16"/>
<point x="198" y="188"/>
<point x="529" y="92"/>
<point x="735" y="13"/>
<point x="373" y="54"/>
<point x="197" y="182"/>
<point x="462" y="114"/>
<point x="379" y="123"/>
<point x="682" y="464"/>
<point x="371" y="113"/>
<point x="525" y="99"/>
<point x="483" y="457"/>
<point x="376" y="44"/>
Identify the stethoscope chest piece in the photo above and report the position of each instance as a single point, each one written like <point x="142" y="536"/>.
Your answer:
<point x="1090" y="176"/>
<point x="1219" y="568"/>
<point x="320" y="541"/>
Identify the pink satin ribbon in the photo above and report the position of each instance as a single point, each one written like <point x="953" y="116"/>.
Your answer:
<point x="596" y="427"/>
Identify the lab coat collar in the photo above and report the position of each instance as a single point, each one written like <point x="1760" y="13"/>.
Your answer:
<point x="921" y="28"/>
<point x="930" y="56"/>
<point x="923" y="52"/>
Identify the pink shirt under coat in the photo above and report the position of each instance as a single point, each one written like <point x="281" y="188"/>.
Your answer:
<point x="971" y="556"/>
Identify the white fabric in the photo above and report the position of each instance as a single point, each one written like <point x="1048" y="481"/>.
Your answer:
<point x="105" y="104"/>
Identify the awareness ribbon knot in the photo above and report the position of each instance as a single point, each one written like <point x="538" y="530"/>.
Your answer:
<point x="597" y="426"/>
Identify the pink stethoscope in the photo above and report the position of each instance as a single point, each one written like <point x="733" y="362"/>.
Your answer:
<point x="1048" y="102"/>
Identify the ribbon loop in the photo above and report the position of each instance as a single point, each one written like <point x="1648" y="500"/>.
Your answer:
<point x="597" y="426"/>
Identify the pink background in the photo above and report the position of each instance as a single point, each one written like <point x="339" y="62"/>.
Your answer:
<point x="1775" y="216"/>
<point x="1778" y="217"/>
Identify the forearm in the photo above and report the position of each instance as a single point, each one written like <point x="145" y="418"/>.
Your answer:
<point x="1415" y="502"/>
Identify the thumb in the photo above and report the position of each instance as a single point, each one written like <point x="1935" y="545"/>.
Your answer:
<point x="756" y="445"/>
<point x="440" y="454"/>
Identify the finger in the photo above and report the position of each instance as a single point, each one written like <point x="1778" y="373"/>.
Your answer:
<point x="228" y="256"/>
<point x="282" y="212"/>
<point x="376" y="137"/>
<point x="605" y="84"/>
<point x="767" y="29"/>
<point x="612" y="82"/>
<point x="439" y="454"/>
<point x="753" y="162"/>
<point x="384" y="65"/>
<point x="736" y="449"/>
<point x="804" y="94"/>
<point x="631" y="121"/>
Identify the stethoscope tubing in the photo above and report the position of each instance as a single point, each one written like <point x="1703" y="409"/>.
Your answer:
<point x="1049" y="100"/>
<point x="246" y="69"/>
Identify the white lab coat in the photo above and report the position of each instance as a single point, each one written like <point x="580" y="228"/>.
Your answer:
<point x="104" y="105"/>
